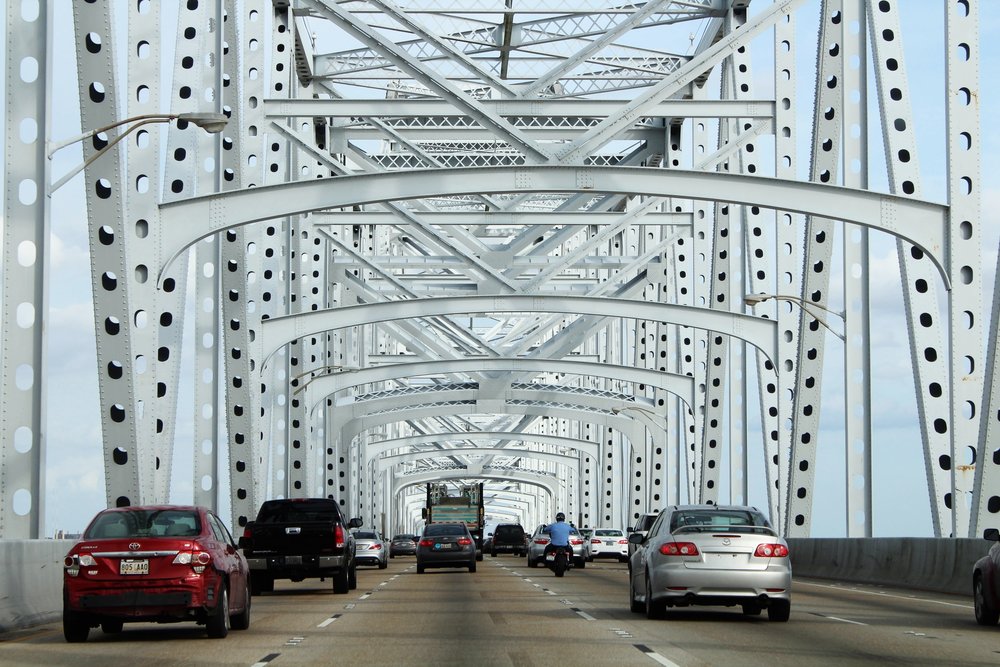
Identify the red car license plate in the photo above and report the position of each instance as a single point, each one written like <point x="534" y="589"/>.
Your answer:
<point x="133" y="566"/>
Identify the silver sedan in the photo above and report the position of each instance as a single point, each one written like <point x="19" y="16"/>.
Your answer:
<point x="711" y="555"/>
<point x="371" y="549"/>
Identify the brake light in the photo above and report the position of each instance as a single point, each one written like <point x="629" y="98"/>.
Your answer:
<point x="426" y="542"/>
<point x="375" y="546"/>
<point x="771" y="551"/>
<point x="541" y="540"/>
<point x="622" y="541"/>
<point x="464" y="541"/>
<point x="73" y="563"/>
<point x="247" y="533"/>
<point x="338" y="536"/>
<point x="595" y="541"/>
<point x="576" y="542"/>
<point x="679" y="549"/>
<point x="196" y="559"/>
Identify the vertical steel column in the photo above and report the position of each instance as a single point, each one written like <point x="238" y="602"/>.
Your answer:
<point x="24" y="269"/>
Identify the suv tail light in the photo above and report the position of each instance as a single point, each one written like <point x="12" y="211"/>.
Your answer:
<point x="679" y="549"/>
<point x="771" y="551"/>
<point x="338" y="536"/>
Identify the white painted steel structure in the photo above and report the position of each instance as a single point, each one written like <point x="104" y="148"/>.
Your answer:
<point x="505" y="241"/>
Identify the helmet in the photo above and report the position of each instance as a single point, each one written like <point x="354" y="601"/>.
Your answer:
<point x="560" y="517"/>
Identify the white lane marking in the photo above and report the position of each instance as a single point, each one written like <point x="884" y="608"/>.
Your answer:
<point x="328" y="621"/>
<point x="365" y="596"/>
<point x="656" y="656"/>
<point x="295" y="641"/>
<point x="584" y="615"/>
<point x="842" y="620"/>
<point x="350" y="605"/>
<point x="886" y="595"/>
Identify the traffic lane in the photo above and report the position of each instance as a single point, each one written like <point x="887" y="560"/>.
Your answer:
<point x="830" y="623"/>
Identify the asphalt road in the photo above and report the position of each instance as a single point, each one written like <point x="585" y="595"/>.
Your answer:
<point x="507" y="614"/>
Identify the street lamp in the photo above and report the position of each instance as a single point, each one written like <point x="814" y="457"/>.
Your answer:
<point x="754" y="299"/>
<point x="213" y="123"/>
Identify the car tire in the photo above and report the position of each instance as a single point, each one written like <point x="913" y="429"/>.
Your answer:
<point x="241" y="621"/>
<point x="653" y="609"/>
<point x="382" y="564"/>
<point x="420" y="569"/>
<point x="341" y="580"/>
<point x="75" y="627"/>
<point x="580" y="563"/>
<point x="261" y="583"/>
<point x="112" y="627"/>
<point x="779" y="611"/>
<point x="634" y="605"/>
<point x="493" y="554"/>
<point x="217" y="625"/>
<point x="472" y="566"/>
<point x="985" y="614"/>
<point x="532" y="563"/>
<point x="392" y="555"/>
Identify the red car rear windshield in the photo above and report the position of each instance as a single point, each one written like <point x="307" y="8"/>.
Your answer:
<point x="144" y="523"/>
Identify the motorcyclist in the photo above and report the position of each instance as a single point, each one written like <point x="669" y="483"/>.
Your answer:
<point x="559" y="533"/>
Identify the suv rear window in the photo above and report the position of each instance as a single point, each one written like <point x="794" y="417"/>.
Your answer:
<point x="288" y="511"/>
<point x="508" y="532"/>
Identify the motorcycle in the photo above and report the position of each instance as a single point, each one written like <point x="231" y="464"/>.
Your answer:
<point x="557" y="560"/>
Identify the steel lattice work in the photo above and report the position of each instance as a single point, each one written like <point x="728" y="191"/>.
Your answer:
<point x="502" y="241"/>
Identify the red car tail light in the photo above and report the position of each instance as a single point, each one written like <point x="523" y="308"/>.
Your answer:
<point x="375" y="546"/>
<point x="576" y="542"/>
<point x="464" y="541"/>
<point x="622" y="541"/>
<point x="426" y="542"/>
<point x="679" y="549"/>
<point x="771" y="551"/>
<point x="338" y="536"/>
<point x="196" y="559"/>
<point x="594" y="540"/>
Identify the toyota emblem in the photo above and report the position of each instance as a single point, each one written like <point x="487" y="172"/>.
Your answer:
<point x="134" y="546"/>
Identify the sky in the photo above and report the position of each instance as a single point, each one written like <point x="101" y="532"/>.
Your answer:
<point x="74" y="468"/>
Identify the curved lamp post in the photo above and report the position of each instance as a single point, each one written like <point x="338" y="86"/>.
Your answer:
<point x="754" y="299"/>
<point x="212" y="123"/>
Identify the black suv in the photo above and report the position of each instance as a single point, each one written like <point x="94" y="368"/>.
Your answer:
<point x="509" y="537"/>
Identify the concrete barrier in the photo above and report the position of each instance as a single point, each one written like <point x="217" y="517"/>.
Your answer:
<point x="31" y="582"/>
<point x="942" y="565"/>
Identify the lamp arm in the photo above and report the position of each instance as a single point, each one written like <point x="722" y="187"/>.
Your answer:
<point x="145" y="118"/>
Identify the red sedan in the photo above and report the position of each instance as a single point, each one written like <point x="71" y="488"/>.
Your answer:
<point x="164" y="563"/>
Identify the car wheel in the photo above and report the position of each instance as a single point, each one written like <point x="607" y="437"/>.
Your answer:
<point x="75" y="627"/>
<point x="261" y="583"/>
<point x="392" y="555"/>
<point x="532" y="563"/>
<point x="751" y="610"/>
<point x="472" y="566"/>
<point x="634" y="605"/>
<point x="112" y="627"/>
<point x="241" y="621"/>
<point x="382" y="564"/>
<point x="420" y="569"/>
<point x="493" y="554"/>
<point x="779" y="611"/>
<point x="581" y="563"/>
<point x="985" y="614"/>
<point x="341" y="580"/>
<point x="218" y="623"/>
<point x="653" y="609"/>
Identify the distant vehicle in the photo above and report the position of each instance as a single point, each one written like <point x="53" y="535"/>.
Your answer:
<point x="300" y="538"/>
<point x="711" y="555"/>
<point x="403" y="545"/>
<point x="466" y="507"/>
<point x="509" y="538"/>
<point x="586" y="533"/>
<point x="162" y="563"/>
<point x="540" y="539"/>
<point x="609" y="543"/>
<point x="641" y="527"/>
<point x="986" y="581"/>
<point x="370" y="549"/>
<point x="446" y="545"/>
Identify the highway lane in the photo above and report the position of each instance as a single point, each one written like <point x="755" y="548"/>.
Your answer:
<point x="507" y="614"/>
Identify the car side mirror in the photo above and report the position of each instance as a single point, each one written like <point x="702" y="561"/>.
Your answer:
<point x="991" y="534"/>
<point x="636" y="538"/>
<point x="356" y="522"/>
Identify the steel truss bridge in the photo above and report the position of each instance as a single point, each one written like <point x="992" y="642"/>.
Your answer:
<point x="506" y="241"/>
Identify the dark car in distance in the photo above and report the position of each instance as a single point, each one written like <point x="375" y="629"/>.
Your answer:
<point x="509" y="538"/>
<point x="446" y="545"/>
<point x="404" y="544"/>
<point x="986" y="581"/>
<point x="161" y="564"/>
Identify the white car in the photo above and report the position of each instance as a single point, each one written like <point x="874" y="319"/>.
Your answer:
<point x="609" y="543"/>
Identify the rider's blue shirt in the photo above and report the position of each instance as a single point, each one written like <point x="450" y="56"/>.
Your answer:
<point x="559" y="533"/>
